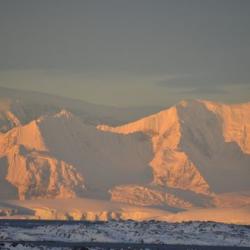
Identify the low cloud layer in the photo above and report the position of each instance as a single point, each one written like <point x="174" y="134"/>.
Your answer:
<point x="205" y="81"/>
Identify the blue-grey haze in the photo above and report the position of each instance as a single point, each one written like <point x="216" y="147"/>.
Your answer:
<point x="127" y="52"/>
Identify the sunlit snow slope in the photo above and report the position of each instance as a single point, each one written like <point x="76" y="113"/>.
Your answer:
<point x="198" y="146"/>
<point x="193" y="155"/>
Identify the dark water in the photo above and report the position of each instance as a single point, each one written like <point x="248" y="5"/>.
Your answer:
<point x="104" y="245"/>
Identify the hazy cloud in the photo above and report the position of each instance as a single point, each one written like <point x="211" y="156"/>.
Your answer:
<point x="206" y="91"/>
<point x="120" y="52"/>
<point x="205" y="81"/>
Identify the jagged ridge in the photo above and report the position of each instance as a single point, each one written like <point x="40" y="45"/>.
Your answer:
<point x="181" y="148"/>
<point x="190" y="142"/>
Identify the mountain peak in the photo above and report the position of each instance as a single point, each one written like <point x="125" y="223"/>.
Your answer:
<point x="180" y="149"/>
<point x="194" y="102"/>
<point x="195" y="135"/>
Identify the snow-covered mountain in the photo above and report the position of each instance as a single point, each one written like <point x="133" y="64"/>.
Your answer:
<point x="198" y="145"/>
<point x="58" y="155"/>
<point x="195" y="154"/>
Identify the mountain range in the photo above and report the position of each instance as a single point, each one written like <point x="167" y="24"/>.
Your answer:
<point x="195" y="154"/>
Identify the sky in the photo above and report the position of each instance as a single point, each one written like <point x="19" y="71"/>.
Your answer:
<point x="127" y="52"/>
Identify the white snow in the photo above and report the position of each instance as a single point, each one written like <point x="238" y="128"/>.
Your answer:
<point x="194" y="151"/>
<point x="101" y="210"/>
<point x="196" y="233"/>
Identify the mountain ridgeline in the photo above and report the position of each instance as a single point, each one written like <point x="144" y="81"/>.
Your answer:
<point x="194" y="154"/>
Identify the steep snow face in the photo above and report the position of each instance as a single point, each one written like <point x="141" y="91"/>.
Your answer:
<point x="58" y="155"/>
<point x="30" y="168"/>
<point x="171" y="166"/>
<point x="104" y="159"/>
<point x="235" y="123"/>
<point x="37" y="175"/>
<point x="177" y="158"/>
<point x="196" y="143"/>
<point x="212" y="138"/>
